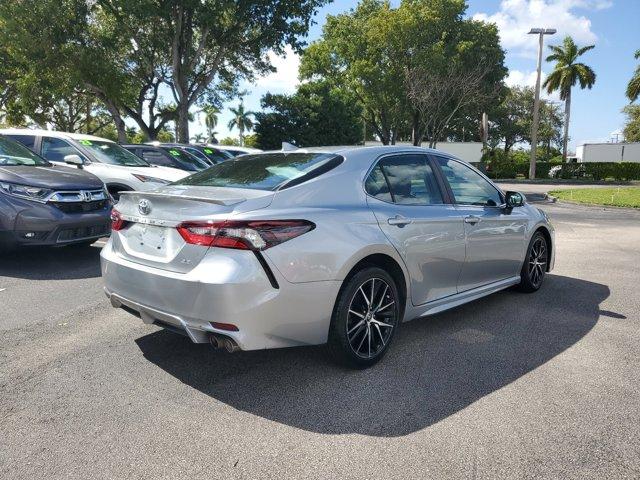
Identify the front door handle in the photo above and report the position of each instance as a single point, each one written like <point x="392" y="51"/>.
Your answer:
<point x="399" y="221"/>
<point x="472" y="219"/>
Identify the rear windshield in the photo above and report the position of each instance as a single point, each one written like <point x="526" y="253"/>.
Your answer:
<point x="14" y="153"/>
<point x="260" y="172"/>
<point x="112" y="153"/>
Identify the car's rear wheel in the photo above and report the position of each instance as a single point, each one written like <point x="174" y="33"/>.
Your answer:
<point x="535" y="264"/>
<point x="365" y="318"/>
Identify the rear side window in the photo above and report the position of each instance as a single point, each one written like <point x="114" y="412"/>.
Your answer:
<point x="28" y="141"/>
<point x="405" y="180"/>
<point x="261" y="172"/>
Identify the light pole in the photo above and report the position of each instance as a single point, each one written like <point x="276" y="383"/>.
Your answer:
<point x="541" y="32"/>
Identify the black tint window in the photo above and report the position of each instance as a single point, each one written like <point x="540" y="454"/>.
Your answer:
<point x="469" y="187"/>
<point x="156" y="158"/>
<point x="55" y="149"/>
<point x="410" y="179"/>
<point x="28" y="141"/>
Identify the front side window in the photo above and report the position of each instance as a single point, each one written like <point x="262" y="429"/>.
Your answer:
<point x="13" y="153"/>
<point x="55" y="149"/>
<point x="112" y="153"/>
<point x="405" y="180"/>
<point x="260" y="172"/>
<point x="469" y="187"/>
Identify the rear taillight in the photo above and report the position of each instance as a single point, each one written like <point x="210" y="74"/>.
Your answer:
<point x="117" y="222"/>
<point x="244" y="235"/>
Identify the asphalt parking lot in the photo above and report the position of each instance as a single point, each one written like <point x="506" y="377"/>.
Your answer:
<point x="511" y="386"/>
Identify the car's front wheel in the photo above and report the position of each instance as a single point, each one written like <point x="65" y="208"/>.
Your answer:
<point x="535" y="264"/>
<point x="365" y="318"/>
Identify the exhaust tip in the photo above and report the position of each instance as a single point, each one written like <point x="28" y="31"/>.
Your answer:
<point x="230" y="345"/>
<point x="216" y="342"/>
<point x="226" y="343"/>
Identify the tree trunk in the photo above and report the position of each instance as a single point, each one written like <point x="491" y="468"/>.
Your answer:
<point x="416" y="136"/>
<point x="567" y="115"/>
<point x="182" y="127"/>
<point x="117" y="119"/>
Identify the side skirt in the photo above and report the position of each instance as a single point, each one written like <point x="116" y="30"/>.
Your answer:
<point x="458" y="299"/>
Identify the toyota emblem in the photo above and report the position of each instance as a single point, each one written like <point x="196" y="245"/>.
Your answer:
<point x="144" y="206"/>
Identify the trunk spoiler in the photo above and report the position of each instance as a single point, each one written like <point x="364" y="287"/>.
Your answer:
<point x="224" y="202"/>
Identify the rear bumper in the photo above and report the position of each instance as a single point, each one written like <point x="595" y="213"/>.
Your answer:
<point x="227" y="286"/>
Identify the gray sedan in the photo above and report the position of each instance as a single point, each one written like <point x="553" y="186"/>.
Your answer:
<point x="331" y="245"/>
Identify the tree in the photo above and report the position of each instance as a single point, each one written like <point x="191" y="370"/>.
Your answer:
<point x="633" y="89"/>
<point x="632" y="127"/>
<point x="410" y="67"/>
<point x="355" y="51"/>
<point x="511" y="120"/>
<point x="565" y="75"/>
<point x="317" y="114"/>
<point x="241" y="120"/>
<point x="213" y="44"/>
<point x="211" y="113"/>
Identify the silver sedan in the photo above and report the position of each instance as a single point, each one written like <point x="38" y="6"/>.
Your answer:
<point x="332" y="245"/>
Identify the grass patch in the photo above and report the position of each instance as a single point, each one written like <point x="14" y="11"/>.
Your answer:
<point x="617" y="197"/>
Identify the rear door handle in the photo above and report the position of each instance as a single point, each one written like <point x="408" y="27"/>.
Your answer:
<point x="399" y="221"/>
<point x="472" y="219"/>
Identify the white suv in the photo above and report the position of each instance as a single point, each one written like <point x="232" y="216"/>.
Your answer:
<point x="119" y="169"/>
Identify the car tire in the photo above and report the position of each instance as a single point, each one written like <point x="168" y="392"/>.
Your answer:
<point x="535" y="264"/>
<point x="365" y="318"/>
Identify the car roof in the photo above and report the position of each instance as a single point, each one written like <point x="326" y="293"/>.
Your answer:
<point x="376" y="150"/>
<point x="52" y="133"/>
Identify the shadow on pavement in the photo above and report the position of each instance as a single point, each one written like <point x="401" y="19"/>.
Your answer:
<point x="59" y="263"/>
<point x="437" y="366"/>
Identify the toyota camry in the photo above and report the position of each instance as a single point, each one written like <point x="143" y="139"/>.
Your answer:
<point x="326" y="245"/>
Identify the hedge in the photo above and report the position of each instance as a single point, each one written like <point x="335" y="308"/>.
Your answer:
<point x="597" y="171"/>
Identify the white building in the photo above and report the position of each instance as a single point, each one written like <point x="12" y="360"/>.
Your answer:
<point x="608" y="152"/>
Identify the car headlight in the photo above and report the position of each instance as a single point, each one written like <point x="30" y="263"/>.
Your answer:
<point x="37" y="194"/>
<point x="144" y="178"/>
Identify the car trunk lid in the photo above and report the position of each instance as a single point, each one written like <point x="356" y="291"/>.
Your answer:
<point x="150" y="236"/>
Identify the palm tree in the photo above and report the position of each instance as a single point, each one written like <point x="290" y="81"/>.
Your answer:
<point x="633" y="89"/>
<point x="565" y="75"/>
<point x="241" y="120"/>
<point x="211" y="113"/>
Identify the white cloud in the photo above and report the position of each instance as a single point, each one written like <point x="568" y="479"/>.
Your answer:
<point x="528" y="79"/>
<point x="516" y="17"/>
<point x="285" y="78"/>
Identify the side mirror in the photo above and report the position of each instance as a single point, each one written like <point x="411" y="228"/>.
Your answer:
<point x="74" y="160"/>
<point x="514" y="199"/>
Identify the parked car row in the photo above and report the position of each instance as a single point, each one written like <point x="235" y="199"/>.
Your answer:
<point x="57" y="187"/>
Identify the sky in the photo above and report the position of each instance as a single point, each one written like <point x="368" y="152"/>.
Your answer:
<point x="612" y="25"/>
